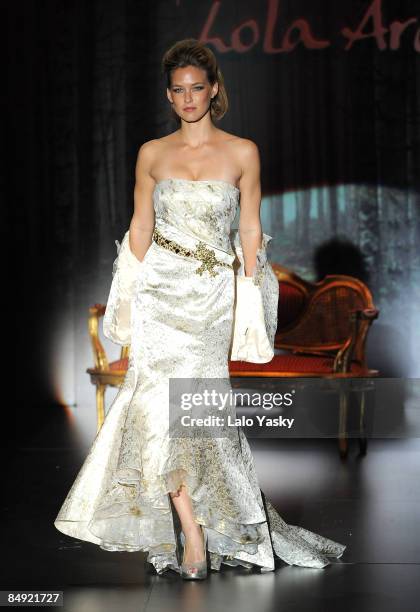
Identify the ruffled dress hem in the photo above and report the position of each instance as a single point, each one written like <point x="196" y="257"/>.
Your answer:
<point x="129" y="519"/>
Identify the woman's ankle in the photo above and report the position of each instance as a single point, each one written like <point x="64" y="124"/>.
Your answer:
<point x="194" y="547"/>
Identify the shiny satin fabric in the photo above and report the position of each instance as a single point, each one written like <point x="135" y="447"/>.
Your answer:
<point x="179" y="325"/>
<point x="250" y="341"/>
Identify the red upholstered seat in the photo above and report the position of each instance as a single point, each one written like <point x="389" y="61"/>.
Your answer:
<point x="279" y="363"/>
<point x="119" y="365"/>
<point x="293" y="364"/>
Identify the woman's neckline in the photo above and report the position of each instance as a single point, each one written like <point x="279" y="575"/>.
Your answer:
<point x="174" y="178"/>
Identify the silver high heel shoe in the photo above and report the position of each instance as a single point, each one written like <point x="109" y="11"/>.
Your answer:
<point x="194" y="570"/>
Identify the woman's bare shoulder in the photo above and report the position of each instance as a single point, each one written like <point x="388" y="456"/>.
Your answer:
<point x="155" y="144"/>
<point x="240" y="147"/>
<point x="247" y="145"/>
<point x="150" y="150"/>
<point x="241" y="144"/>
<point x="246" y="151"/>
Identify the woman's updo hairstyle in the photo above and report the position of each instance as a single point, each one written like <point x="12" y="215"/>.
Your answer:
<point x="190" y="52"/>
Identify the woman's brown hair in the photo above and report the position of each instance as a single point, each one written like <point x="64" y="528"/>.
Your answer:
<point x="190" y="52"/>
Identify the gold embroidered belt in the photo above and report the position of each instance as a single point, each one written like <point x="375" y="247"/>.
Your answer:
<point x="202" y="253"/>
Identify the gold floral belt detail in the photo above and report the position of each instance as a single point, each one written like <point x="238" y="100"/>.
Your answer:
<point x="202" y="253"/>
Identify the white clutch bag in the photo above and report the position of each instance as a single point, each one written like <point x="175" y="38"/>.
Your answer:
<point x="256" y="307"/>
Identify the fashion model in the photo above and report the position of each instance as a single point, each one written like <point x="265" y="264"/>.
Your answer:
<point x="176" y="312"/>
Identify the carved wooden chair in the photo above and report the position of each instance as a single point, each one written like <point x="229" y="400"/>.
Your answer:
<point x="104" y="373"/>
<point x="322" y="329"/>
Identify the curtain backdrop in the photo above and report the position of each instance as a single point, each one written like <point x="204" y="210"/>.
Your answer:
<point x="328" y="90"/>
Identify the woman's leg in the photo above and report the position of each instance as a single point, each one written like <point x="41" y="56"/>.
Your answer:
<point x="191" y="529"/>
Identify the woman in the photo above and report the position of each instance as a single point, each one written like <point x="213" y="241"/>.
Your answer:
<point x="177" y="317"/>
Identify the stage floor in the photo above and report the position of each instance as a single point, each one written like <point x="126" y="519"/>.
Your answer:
<point x="370" y="503"/>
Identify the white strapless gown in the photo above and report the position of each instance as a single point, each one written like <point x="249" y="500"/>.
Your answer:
<point x="180" y="325"/>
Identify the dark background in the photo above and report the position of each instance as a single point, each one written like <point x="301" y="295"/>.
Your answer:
<point x="338" y="132"/>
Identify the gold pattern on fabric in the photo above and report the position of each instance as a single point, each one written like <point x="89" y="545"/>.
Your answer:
<point x="179" y="325"/>
<point x="202" y="253"/>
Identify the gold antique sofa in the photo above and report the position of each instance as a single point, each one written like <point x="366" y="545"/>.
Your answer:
<point x="322" y="328"/>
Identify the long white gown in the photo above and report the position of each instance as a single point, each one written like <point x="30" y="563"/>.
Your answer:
<point x="178" y="323"/>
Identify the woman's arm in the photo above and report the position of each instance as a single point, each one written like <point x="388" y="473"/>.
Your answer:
<point x="143" y="219"/>
<point x="250" y="231"/>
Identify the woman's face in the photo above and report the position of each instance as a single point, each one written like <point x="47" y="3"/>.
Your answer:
<point x="191" y="93"/>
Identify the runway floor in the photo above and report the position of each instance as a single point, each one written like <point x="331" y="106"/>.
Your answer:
<point x="370" y="503"/>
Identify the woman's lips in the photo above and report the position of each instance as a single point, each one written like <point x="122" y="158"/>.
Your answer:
<point x="189" y="108"/>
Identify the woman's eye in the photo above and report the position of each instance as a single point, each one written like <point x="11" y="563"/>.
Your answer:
<point x="178" y="90"/>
